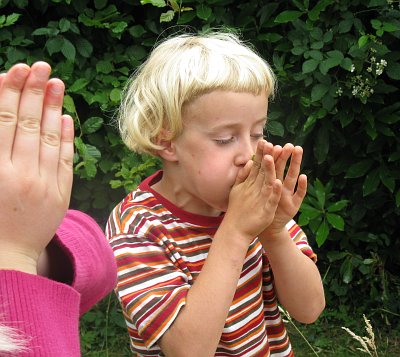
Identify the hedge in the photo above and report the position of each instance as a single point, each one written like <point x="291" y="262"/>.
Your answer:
<point x="338" y="69"/>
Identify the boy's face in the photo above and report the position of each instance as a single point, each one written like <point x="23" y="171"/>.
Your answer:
<point x="221" y="131"/>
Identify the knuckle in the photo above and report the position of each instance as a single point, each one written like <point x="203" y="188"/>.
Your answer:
<point x="37" y="91"/>
<point x="8" y="118"/>
<point x="67" y="162"/>
<point x="29" y="123"/>
<point x="51" y="138"/>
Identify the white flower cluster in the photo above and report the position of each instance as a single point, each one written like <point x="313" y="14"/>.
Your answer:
<point x="377" y="66"/>
<point x="361" y="87"/>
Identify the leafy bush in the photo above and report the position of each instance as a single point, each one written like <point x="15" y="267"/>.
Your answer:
<point x="338" y="69"/>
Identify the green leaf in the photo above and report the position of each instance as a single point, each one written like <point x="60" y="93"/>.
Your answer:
<point x="317" y="45"/>
<point x="203" y="12"/>
<point x="186" y="17"/>
<point x="84" y="47"/>
<point x="320" y="193"/>
<point x="320" y="6"/>
<point x="337" y="206"/>
<point x="393" y="70"/>
<point x="397" y="198"/>
<point x="287" y="16"/>
<point x="270" y="37"/>
<point x="157" y="3"/>
<point x="105" y="67"/>
<point x="346" y="270"/>
<point x="64" y="25"/>
<point x="68" y="50"/>
<point x="137" y="31"/>
<point x="321" y="146"/>
<point x="275" y="128"/>
<point x="335" y="255"/>
<point x="322" y="233"/>
<point x="167" y="16"/>
<point x="79" y="84"/>
<point x="309" y="211"/>
<point x="336" y="221"/>
<point x="359" y="168"/>
<point x="69" y="104"/>
<point x="10" y="20"/>
<point x="318" y="91"/>
<point x="309" y="65"/>
<point x="317" y="55"/>
<point x="92" y="124"/>
<point x="115" y="95"/>
<point x="388" y="180"/>
<point x="54" y="45"/>
<point x="346" y="63"/>
<point x="345" y="25"/>
<point x="371" y="182"/>
<point x="362" y="41"/>
<point x="15" y="55"/>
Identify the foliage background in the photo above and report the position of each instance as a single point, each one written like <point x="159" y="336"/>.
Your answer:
<point x="338" y="70"/>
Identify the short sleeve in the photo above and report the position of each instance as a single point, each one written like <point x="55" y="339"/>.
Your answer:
<point x="151" y="287"/>
<point x="300" y="238"/>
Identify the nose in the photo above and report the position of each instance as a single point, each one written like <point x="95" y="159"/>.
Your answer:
<point x="245" y="151"/>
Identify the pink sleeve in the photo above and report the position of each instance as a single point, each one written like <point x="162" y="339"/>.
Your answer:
<point x="94" y="265"/>
<point x="45" y="313"/>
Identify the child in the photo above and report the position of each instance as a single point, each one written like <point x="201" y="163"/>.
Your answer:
<point x="55" y="263"/>
<point x="207" y="246"/>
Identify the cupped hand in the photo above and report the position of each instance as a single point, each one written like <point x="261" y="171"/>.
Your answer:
<point x="255" y="195"/>
<point x="36" y="154"/>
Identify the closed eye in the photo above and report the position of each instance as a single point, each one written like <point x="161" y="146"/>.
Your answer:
<point x="224" y="141"/>
<point x="257" y="136"/>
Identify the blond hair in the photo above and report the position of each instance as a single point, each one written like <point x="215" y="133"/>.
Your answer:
<point x="179" y="70"/>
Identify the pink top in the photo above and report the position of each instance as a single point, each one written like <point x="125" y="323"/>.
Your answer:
<point x="47" y="312"/>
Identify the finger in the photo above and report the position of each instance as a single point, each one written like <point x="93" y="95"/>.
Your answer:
<point x="267" y="174"/>
<point x="281" y="161"/>
<point x="301" y="191"/>
<point x="50" y="131"/>
<point x="277" y="151"/>
<point x="257" y="158"/>
<point x="268" y="148"/>
<point x="10" y="93"/>
<point x="27" y="136"/>
<point x="65" y="165"/>
<point x="257" y="161"/>
<point x="244" y="172"/>
<point x="293" y="172"/>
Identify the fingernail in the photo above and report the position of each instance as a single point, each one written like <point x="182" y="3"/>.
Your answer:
<point x="21" y="72"/>
<point x="57" y="88"/>
<point x="41" y="72"/>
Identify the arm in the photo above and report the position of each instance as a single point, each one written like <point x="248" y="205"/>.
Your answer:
<point x="298" y="283"/>
<point x="197" y="329"/>
<point x="36" y="150"/>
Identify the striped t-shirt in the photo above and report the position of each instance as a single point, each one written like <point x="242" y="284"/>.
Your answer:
<point x="160" y="250"/>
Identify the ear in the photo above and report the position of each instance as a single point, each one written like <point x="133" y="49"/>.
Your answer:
<point x="167" y="152"/>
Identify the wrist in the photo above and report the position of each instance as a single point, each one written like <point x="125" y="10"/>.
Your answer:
<point x="274" y="238"/>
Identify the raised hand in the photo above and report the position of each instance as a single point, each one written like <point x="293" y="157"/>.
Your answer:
<point x="255" y="196"/>
<point x="36" y="154"/>
<point x="294" y="185"/>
